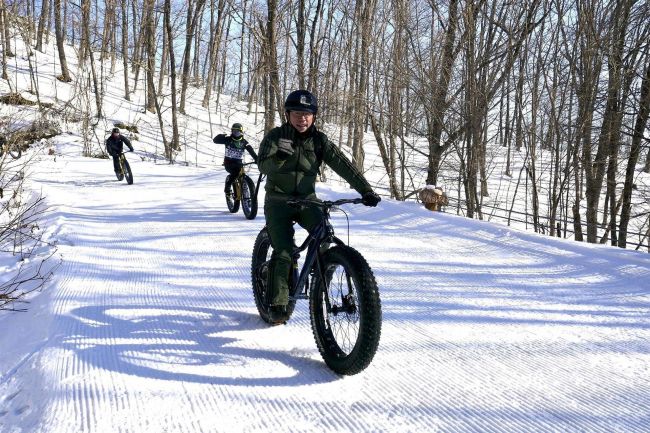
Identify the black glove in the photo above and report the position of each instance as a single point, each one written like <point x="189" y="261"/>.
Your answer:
<point x="370" y="198"/>
<point x="285" y="148"/>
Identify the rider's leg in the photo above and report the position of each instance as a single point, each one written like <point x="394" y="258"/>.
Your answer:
<point x="229" y="180"/>
<point x="116" y="163"/>
<point x="232" y="166"/>
<point x="309" y="217"/>
<point x="279" y="224"/>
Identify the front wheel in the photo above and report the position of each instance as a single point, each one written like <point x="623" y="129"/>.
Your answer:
<point x="231" y="198"/>
<point x="248" y="198"/>
<point x="128" y="175"/>
<point x="259" y="274"/>
<point x="345" y="311"/>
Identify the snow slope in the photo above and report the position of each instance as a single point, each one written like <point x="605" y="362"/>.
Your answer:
<point x="149" y="324"/>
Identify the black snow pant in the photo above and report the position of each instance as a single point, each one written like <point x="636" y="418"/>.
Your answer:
<point x="279" y="224"/>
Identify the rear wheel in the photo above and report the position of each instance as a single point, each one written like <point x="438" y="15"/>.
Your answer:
<point x="128" y="175"/>
<point x="231" y="198"/>
<point x="345" y="311"/>
<point x="259" y="273"/>
<point x="248" y="198"/>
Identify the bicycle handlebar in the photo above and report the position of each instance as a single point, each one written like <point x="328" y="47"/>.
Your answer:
<point x="325" y="203"/>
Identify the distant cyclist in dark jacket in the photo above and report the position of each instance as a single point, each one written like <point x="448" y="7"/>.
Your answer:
<point x="235" y="146"/>
<point x="114" y="145"/>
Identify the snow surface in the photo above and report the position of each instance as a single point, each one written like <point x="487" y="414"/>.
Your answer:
<point x="149" y="325"/>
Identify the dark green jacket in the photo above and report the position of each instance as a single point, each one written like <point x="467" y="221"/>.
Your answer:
<point x="296" y="176"/>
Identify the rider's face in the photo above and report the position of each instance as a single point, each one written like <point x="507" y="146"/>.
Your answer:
<point x="301" y="120"/>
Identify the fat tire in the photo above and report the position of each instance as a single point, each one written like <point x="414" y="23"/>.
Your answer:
<point x="259" y="265"/>
<point x="249" y="200"/>
<point x="231" y="202"/>
<point x="128" y="175"/>
<point x="326" y="327"/>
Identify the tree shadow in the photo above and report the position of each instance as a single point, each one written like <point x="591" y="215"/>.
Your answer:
<point x="184" y="344"/>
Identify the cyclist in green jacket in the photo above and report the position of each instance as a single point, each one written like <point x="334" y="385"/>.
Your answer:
<point x="290" y="155"/>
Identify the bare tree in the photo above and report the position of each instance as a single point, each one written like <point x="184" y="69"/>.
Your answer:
<point x="635" y="150"/>
<point x="594" y="165"/>
<point x="174" y="145"/>
<point x="60" y="38"/>
<point x="8" y="52"/>
<point x="272" y="77"/>
<point x="4" y="25"/>
<point x="194" y="12"/>
<point x="125" y="48"/>
<point x="150" y="50"/>
<point x="216" y="34"/>
<point x="42" y="24"/>
<point x="365" y="16"/>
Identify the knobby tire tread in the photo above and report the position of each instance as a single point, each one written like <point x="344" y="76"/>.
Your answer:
<point x="370" y="314"/>
<point x="128" y="175"/>
<point x="262" y="253"/>
<point x="250" y="211"/>
<point x="232" y="203"/>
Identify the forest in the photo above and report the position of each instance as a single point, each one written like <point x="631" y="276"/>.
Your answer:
<point x="551" y="96"/>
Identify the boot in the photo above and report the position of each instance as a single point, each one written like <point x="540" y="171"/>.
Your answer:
<point x="278" y="314"/>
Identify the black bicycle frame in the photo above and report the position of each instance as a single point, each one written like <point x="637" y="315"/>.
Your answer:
<point x="312" y="244"/>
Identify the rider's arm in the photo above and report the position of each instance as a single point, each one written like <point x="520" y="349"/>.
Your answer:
<point x="127" y="142"/>
<point x="267" y="161"/>
<point x="342" y="166"/>
<point x="251" y="152"/>
<point x="219" y="139"/>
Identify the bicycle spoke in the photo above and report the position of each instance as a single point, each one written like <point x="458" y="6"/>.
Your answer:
<point x="343" y="316"/>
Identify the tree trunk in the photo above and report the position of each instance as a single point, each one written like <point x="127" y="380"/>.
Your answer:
<point x="301" y="30"/>
<point x="172" y="75"/>
<point x="5" y="28"/>
<point x="376" y="129"/>
<point x="366" y="24"/>
<point x="58" y="26"/>
<point x="109" y="28"/>
<point x="3" y="25"/>
<point x="150" y="51"/>
<point x="125" y="49"/>
<point x="635" y="150"/>
<point x="438" y="108"/>
<point x="194" y="11"/>
<point x="42" y="24"/>
<point x="163" y="59"/>
<point x="84" y="43"/>
<point x="315" y="46"/>
<point x="216" y="35"/>
<point x="610" y="128"/>
<point x="272" y="77"/>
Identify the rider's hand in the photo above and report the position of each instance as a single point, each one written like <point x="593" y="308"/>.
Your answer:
<point x="370" y="198"/>
<point x="285" y="148"/>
